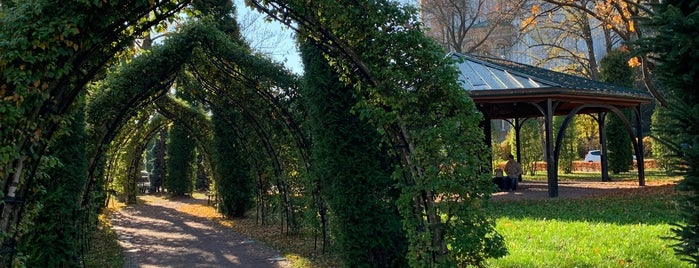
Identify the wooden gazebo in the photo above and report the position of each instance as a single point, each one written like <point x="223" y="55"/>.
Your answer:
<point x="507" y="90"/>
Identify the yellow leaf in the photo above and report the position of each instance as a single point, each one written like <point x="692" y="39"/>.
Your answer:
<point x="634" y="62"/>
<point x="75" y="47"/>
<point x="37" y="83"/>
<point x="631" y="27"/>
<point x="3" y="89"/>
<point x="536" y="9"/>
<point x="44" y="86"/>
<point x="528" y="22"/>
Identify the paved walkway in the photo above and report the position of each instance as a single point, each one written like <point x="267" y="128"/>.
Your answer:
<point x="155" y="234"/>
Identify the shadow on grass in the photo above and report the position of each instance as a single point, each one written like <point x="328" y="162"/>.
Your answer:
<point x="623" y="203"/>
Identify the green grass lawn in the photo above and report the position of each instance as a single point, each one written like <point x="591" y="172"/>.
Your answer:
<point x="618" y="231"/>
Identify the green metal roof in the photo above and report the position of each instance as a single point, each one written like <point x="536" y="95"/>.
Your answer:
<point x="478" y="73"/>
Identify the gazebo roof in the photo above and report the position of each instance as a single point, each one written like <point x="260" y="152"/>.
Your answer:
<point x="497" y="85"/>
<point x="504" y="89"/>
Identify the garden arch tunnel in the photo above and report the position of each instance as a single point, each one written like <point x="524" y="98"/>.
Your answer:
<point x="504" y="89"/>
<point x="231" y="69"/>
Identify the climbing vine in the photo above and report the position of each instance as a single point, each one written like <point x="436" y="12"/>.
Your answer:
<point x="54" y="239"/>
<point x="353" y="171"/>
<point x="49" y="51"/>
<point x="410" y="93"/>
<point x="259" y="91"/>
<point x="180" y="162"/>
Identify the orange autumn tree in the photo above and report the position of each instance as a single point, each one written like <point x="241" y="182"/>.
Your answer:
<point x="611" y="20"/>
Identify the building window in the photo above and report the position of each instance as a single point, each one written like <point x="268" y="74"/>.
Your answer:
<point x="502" y="51"/>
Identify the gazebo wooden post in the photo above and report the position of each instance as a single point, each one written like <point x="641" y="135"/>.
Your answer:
<point x="603" y="143"/>
<point x="518" y="143"/>
<point x="551" y="169"/>
<point x="639" y="152"/>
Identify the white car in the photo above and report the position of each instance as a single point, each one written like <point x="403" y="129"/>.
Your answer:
<point x="593" y="156"/>
<point x="596" y="156"/>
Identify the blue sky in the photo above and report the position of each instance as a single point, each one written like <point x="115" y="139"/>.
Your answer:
<point x="272" y="38"/>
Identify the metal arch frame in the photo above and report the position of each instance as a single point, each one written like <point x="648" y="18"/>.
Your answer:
<point x="636" y="140"/>
<point x="553" y="151"/>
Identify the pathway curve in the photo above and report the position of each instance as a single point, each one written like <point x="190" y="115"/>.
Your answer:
<point x="156" y="234"/>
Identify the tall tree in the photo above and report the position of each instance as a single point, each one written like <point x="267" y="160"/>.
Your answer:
<point x="234" y="184"/>
<point x="473" y="26"/>
<point x="158" y="174"/>
<point x="675" y="50"/>
<point x="180" y="162"/>
<point x="662" y="152"/>
<point x="565" y="39"/>
<point x="588" y="134"/>
<point x="353" y="169"/>
<point x="616" y="70"/>
<point x="611" y="21"/>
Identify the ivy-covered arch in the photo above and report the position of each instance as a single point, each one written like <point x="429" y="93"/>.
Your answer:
<point x="49" y="51"/>
<point x="403" y="87"/>
<point x="123" y="94"/>
<point x="197" y="124"/>
<point x="248" y="71"/>
<point x="231" y="82"/>
<point x="409" y="91"/>
<point x="429" y="122"/>
<point x="137" y="139"/>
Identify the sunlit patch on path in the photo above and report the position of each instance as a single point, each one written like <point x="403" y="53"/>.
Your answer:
<point x="159" y="234"/>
